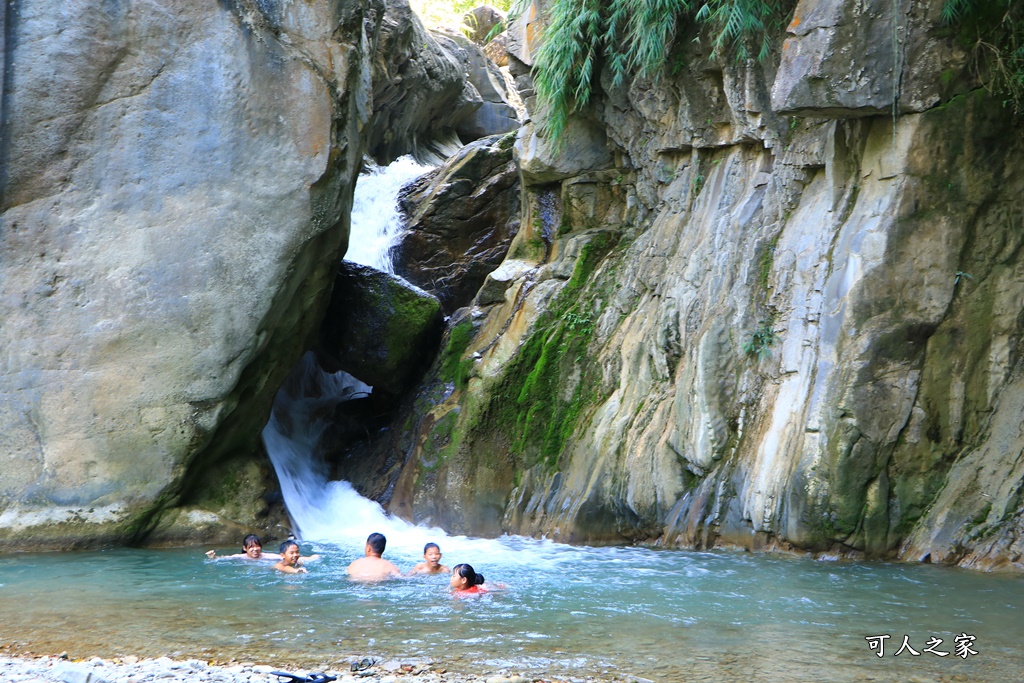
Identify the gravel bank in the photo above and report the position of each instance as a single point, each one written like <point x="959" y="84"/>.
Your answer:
<point x="166" y="670"/>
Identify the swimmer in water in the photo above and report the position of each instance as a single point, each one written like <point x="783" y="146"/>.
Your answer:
<point x="373" y="567"/>
<point x="431" y="563"/>
<point x="291" y="560"/>
<point x="252" y="549"/>
<point x="465" y="581"/>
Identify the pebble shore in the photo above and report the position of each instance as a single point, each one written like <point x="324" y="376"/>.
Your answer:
<point x="59" y="669"/>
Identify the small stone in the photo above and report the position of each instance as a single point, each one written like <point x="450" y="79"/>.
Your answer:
<point x="76" y="673"/>
<point x="262" y="669"/>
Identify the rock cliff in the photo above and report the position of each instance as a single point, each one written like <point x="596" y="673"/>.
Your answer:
<point x="770" y="304"/>
<point x="174" y="176"/>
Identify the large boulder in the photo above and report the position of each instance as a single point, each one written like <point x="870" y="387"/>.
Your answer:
<point x="420" y="91"/>
<point x="176" y="183"/>
<point x="496" y="114"/>
<point x="461" y="220"/>
<point x="479" y="23"/>
<point x="844" y="59"/>
<point x="379" y="328"/>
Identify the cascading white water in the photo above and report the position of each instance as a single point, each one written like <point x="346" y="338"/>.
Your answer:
<point x="320" y="509"/>
<point x="300" y="415"/>
<point x="333" y="511"/>
<point x="376" y="221"/>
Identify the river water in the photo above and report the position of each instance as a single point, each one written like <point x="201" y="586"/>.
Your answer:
<point x="565" y="611"/>
<point x="663" y="615"/>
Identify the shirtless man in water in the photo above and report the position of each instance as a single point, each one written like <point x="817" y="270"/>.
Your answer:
<point x="373" y="567"/>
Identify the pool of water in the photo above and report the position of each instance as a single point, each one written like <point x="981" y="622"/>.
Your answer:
<point x="565" y="612"/>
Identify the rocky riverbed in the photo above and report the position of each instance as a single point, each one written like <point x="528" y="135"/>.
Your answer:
<point x="60" y="669"/>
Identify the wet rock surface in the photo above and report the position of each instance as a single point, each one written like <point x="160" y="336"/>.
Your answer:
<point x="379" y="328"/>
<point x="461" y="220"/>
<point x="747" y="308"/>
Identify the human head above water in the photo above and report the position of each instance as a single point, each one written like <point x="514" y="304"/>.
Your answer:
<point x="432" y="555"/>
<point x="376" y="543"/>
<point x="289" y="555"/>
<point x="252" y="546"/>
<point x="466" y="572"/>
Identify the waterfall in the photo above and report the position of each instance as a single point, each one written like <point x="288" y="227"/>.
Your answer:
<point x="376" y="221"/>
<point x="320" y="509"/>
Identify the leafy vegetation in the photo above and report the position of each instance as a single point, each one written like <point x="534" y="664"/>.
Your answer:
<point x="761" y="341"/>
<point x="994" y="32"/>
<point x="634" y="36"/>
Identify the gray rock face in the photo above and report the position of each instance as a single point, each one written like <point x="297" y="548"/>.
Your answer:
<point x="461" y="220"/>
<point x="495" y="115"/>
<point x="175" y="181"/>
<point x="767" y="332"/>
<point x="420" y="91"/>
<point x="843" y="59"/>
<point x="481" y="22"/>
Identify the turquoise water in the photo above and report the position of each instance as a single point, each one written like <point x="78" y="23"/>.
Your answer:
<point x="565" y="611"/>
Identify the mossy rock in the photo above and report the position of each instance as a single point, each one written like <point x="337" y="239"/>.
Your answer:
<point x="379" y="328"/>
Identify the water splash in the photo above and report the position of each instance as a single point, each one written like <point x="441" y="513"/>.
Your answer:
<point x="301" y="413"/>
<point x="320" y="509"/>
<point x="333" y="512"/>
<point x="376" y="221"/>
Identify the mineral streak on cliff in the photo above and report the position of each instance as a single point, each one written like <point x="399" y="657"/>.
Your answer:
<point x="781" y="308"/>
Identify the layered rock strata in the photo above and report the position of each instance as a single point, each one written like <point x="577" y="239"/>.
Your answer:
<point x="764" y="305"/>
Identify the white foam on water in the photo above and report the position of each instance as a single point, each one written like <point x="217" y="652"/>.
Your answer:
<point x="333" y="511"/>
<point x="376" y="221"/>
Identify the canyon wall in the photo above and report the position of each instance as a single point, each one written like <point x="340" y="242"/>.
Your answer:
<point x="173" y="177"/>
<point x="765" y="304"/>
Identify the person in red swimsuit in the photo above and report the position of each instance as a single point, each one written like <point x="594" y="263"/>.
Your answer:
<point x="466" y="581"/>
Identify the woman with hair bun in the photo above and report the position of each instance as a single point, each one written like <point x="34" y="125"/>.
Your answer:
<point x="465" y="581"/>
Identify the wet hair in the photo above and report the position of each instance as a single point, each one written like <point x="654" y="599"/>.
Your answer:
<point x="251" y="540"/>
<point x="287" y="544"/>
<point x="377" y="542"/>
<point x="466" y="572"/>
<point x="429" y="546"/>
